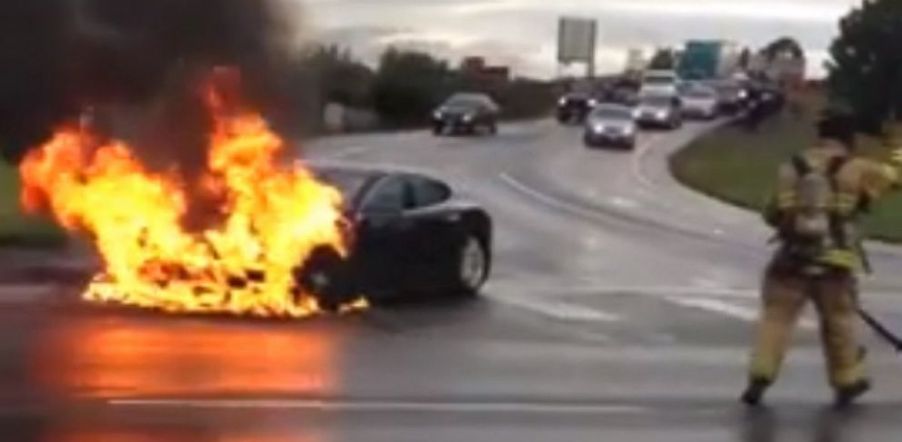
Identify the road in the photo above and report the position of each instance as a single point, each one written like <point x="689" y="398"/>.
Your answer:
<point x="621" y="308"/>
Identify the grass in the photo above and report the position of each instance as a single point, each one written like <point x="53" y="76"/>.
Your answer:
<point x="16" y="228"/>
<point x="740" y="167"/>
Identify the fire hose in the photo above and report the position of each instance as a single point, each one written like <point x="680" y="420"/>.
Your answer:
<point x="881" y="329"/>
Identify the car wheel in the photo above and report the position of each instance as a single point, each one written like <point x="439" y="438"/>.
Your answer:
<point x="325" y="276"/>
<point x="438" y="129"/>
<point x="493" y="128"/>
<point x="472" y="266"/>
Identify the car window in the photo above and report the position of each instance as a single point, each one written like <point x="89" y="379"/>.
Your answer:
<point x="390" y="195"/>
<point x="427" y="192"/>
<point x="612" y="113"/>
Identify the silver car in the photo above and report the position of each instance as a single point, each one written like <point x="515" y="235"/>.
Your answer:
<point x="611" y="125"/>
<point x="659" y="111"/>
<point x="701" y="103"/>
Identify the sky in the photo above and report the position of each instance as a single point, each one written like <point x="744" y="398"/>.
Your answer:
<point x="522" y="33"/>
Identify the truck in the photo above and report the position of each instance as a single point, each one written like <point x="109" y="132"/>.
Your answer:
<point x="709" y="60"/>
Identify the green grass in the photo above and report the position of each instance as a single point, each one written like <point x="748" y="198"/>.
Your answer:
<point x="740" y="167"/>
<point x="16" y="228"/>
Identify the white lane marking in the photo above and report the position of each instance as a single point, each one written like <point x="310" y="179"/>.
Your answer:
<point x="717" y="306"/>
<point x="643" y="150"/>
<point x="345" y="152"/>
<point x="728" y="309"/>
<point x="385" y="406"/>
<point x="624" y="203"/>
<point x="556" y="309"/>
<point x="549" y="200"/>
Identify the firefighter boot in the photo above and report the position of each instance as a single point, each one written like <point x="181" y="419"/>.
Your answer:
<point x="754" y="393"/>
<point x="846" y="396"/>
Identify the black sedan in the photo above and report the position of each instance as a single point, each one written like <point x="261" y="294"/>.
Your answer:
<point x="467" y="113"/>
<point x="574" y="107"/>
<point x="410" y="235"/>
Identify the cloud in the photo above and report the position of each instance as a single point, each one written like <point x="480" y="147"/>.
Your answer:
<point x="523" y="32"/>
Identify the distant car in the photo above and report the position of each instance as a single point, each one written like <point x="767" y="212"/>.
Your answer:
<point x="659" y="111"/>
<point x="611" y="125"/>
<point x="660" y="82"/>
<point x="573" y="107"/>
<point x="410" y="235"/>
<point x="732" y="96"/>
<point x="700" y="102"/>
<point x="466" y="113"/>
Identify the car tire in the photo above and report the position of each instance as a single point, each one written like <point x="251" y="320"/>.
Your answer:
<point x="493" y="128"/>
<point x="438" y="130"/>
<point x="472" y="266"/>
<point x="326" y="276"/>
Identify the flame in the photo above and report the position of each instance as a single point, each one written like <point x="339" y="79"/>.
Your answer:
<point x="273" y="218"/>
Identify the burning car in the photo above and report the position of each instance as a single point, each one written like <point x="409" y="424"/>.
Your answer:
<point x="263" y="215"/>
<point x="411" y="234"/>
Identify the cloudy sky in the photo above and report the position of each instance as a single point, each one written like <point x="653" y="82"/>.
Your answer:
<point x="522" y="33"/>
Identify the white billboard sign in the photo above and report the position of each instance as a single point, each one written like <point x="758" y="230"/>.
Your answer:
<point x="576" y="40"/>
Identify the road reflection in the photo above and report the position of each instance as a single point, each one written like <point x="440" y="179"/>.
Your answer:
<point x="130" y="357"/>
<point x="828" y="425"/>
<point x="180" y="435"/>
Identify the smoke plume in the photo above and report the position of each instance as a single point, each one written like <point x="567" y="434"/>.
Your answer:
<point x="137" y="62"/>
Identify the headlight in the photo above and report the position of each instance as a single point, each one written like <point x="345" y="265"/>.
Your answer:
<point x="562" y="102"/>
<point x="637" y="113"/>
<point x="629" y="130"/>
<point x="598" y="128"/>
<point x="593" y="102"/>
<point x="743" y="94"/>
<point x="468" y="118"/>
<point x="437" y="115"/>
<point x="662" y="114"/>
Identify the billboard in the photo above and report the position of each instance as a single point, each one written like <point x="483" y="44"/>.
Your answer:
<point x="576" y="40"/>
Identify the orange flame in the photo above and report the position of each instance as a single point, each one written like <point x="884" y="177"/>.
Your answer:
<point x="273" y="219"/>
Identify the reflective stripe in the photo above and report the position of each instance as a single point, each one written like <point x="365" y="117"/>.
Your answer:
<point x="848" y="259"/>
<point x="786" y="200"/>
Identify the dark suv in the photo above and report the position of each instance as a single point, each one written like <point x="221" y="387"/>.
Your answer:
<point x="573" y="108"/>
<point x="466" y="113"/>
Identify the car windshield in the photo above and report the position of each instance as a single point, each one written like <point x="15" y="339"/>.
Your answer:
<point x="701" y="94"/>
<point x="659" y="80"/>
<point x="656" y="100"/>
<point x="465" y="101"/>
<point x="612" y="113"/>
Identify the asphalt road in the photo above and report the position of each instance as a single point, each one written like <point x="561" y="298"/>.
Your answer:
<point x="621" y="308"/>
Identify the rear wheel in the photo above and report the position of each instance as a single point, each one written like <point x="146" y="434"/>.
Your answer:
<point x="473" y="265"/>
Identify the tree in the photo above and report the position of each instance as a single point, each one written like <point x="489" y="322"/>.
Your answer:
<point x="340" y="78"/>
<point x="784" y="45"/>
<point x="664" y="59"/>
<point x="866" y="70"/>
<point x="409" y="85"/>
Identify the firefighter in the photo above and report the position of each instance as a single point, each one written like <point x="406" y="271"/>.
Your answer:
<point x="821" y="194"/>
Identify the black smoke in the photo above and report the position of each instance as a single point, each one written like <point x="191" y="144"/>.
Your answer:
<point x="137" y="61"/>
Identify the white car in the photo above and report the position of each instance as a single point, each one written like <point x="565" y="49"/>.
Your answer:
<point x="659" y="82"/>
<point x="701" y="103"/>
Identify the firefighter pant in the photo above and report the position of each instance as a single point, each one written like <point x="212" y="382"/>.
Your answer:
<point x="784" y="294"/>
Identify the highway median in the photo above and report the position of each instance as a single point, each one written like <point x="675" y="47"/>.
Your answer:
<point x="739" y="167"/>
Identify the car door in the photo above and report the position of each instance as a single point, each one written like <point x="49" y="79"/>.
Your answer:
<point x="434" y="241"/>
<point x="385" y="237"/>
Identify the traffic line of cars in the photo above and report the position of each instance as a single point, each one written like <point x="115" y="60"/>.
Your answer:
<point x="618" y="123"/>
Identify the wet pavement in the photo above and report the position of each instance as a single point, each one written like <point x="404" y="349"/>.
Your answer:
<point x="620" y="309"/>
